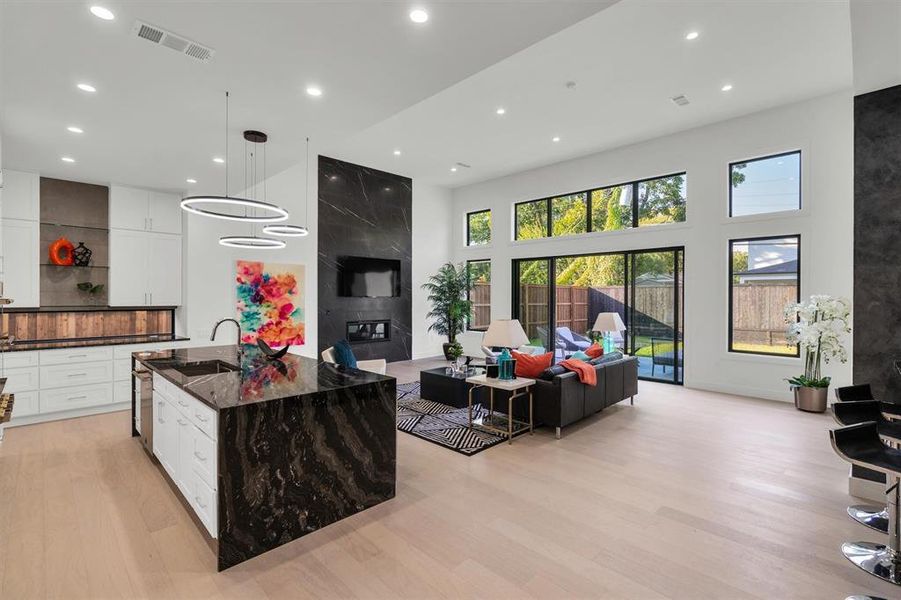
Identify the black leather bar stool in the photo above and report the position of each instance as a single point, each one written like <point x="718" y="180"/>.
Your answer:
<point x="851" y="413"/>
<point x="861" y="445"/>
<point x="861" y="391"/>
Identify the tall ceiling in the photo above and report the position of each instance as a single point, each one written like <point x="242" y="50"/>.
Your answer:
<point x="428" y="90"/>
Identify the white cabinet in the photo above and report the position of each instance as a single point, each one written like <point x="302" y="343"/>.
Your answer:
<point x="80" y="396"/>
<point x="144" y="210"/>
<point x="164" y="269"/>
<point x="145" y="268"/>
<point x="26" y="404"/>
<point x="165" y="213"/>
<point x="66" y="356"/>
<point x="21" y="260"/>
<point x="183" y="470"/>
<point x="165" y="434"/>
<point x="21" y="195"/>
<point x="64" y="376"/>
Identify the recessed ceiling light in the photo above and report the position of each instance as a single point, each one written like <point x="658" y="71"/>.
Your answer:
<point x="86" y="87"/>
<point x="454" y="169"/>
<point x="726" y="87"/>
<point x="314" y="91"/>
<point x="501" y="110"/>
<point x="691" y="35"/>
<point x="419" y="16"/>
<point x="67" y="159"/>
<point x="218" y="159"/>
<point x="102" y="13"/>
<point x="556" y="138"/>
<point x="397" y="153"/>
<point x="75" y="129"/>
<point x="191" y="180"/>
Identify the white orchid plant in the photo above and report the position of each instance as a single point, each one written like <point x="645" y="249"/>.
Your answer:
<point x="819" y="326"/>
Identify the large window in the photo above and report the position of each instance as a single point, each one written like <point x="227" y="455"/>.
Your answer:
<point x="765" y="185"/>
<point x="479" y="272"/>
<point x="764" y="278"/>
<point x="558" y="299"/>
<point x="636" y="204"/>
<point x="478" y="228"/>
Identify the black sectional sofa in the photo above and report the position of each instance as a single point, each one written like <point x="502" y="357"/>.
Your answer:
<point x="560" y="399"/>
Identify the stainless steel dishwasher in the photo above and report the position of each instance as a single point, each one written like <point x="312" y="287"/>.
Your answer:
<point x="143" y="389"/>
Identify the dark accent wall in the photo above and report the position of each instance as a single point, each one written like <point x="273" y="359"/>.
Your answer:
<point x="877" y="241"/>
<point x="364" y="212"/>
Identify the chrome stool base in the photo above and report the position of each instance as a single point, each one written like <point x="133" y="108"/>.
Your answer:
<point x="873" y="517"/>
<point x="875" y="559"/>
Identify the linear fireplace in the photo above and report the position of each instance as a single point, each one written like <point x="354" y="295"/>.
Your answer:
<point x="359" y="332"/>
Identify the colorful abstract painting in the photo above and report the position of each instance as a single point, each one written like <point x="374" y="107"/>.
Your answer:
<point x="270" y="303"/>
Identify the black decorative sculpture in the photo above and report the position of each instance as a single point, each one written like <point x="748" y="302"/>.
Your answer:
<point x="82" y="255"/>
<point x="269" y="352"/>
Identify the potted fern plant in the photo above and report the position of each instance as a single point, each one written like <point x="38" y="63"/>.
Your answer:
<point x="448" y="290"/>
<point x="818" y="326"/>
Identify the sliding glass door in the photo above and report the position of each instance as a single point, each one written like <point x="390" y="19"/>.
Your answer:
<point x="558" y="300"/>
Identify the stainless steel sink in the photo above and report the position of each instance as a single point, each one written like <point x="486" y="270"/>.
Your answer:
<point x="205" y="367"/>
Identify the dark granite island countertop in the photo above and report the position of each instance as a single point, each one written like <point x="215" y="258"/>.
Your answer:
<point x="300" y="443"/>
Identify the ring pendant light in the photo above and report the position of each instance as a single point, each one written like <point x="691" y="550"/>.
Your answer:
<point x="206" y="205"/>
<point x="288" y="230"/>
<point x="253" y="241"/>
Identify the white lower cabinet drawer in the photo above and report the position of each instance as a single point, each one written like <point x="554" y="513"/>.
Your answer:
<point x="24" y="379"/>
<point x="203" y="458"/>
<point x="55" y="376"/>
<point x="205" y="503"/>
<point x="200" y="414"/>
<point x="18" y="360"/>
<point x="121" y="369"/>
<point x="76" y="355"/>
<point x="122" y="392"/>
<point x="81" y="396"/>
<point x="26" y="404"/>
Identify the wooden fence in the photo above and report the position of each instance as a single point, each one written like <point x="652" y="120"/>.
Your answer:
<point x="480" y="296"/>
<point x="757" y="309"/>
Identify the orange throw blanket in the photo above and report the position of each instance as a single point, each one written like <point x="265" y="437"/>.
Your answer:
<point x="586" y="371"/>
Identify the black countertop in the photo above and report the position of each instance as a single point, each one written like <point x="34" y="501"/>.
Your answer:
<point x="119" y="340"/>
<point x="258" y="380"/>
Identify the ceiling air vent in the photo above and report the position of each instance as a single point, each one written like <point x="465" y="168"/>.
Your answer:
<point x="158" y="35"/>
<point x="464" y="165"/>
<point x="679" y="100"/>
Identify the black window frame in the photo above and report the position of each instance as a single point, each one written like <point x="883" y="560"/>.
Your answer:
<point x="629" y="295"/>
<point x="469" y="289"/>
<point x="768" y="157"/>
<point x="588" y="205"/>
<point x="730" y="323"/>
<point x="490" y="227"/>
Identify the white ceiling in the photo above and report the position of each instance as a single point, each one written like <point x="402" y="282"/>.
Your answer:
<point x="158" y="116"/>
<point x="627" y="62"/>
<point x="430" y="90"/>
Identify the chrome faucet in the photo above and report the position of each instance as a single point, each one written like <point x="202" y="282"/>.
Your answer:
<point x="238" y="325"/>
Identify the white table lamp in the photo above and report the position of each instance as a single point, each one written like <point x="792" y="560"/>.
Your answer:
<point x="505" y="333"/>
<point x="609" y="322"/>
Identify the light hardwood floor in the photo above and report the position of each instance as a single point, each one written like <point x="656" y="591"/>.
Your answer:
<point x="687" y="494"/>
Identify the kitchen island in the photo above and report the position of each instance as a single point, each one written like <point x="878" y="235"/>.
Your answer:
<point x="265" y="451"/>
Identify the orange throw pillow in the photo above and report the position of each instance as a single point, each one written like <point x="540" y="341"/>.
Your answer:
<point x="531" y="365"/>
<point x="595" y="350"/>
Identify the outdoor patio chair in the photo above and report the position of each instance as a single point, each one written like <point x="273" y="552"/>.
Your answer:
<point x="664" y="358"/>
<point x="572" y="342"/>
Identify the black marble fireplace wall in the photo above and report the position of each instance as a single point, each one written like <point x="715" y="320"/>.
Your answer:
<point x="877" y="253"/>
<point x="367" y="213"/>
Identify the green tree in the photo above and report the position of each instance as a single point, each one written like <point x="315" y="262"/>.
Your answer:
<point x="739" y="263"/>
<point x="614" y="214"/>
<point x="479" y="228"/>
<point x="661" y="200"/>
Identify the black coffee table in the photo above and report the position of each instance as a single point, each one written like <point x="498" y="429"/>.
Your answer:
<point x="436" y="385"/>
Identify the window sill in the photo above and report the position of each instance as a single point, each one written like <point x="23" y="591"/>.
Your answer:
<point x="765" y="359"/>
<point x="765" y="217"/>
<point x="478" y="247"/>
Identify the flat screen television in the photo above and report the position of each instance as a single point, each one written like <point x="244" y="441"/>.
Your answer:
<point x="368" y="277"/>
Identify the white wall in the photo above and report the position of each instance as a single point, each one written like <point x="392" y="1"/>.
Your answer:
<point x="210" y="268"/>
<point x="821" y="128"/>
<point x="432" y="214"/>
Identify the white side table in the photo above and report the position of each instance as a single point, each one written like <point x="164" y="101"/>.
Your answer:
<point x="520" y="388"/>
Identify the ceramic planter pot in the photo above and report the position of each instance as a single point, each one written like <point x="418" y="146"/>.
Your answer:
<point x="811" y="399"/>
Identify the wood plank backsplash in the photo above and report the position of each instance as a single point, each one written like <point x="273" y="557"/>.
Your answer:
<point x="24" y="326"/>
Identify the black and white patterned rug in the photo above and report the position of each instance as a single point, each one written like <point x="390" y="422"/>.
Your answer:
<point x="448" y="426"/>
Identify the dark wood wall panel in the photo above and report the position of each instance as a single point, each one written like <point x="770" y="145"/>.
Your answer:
<point x="27" y="326"/>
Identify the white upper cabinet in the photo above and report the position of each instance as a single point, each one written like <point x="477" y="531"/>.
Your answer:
<point x="128" y="208"/>
<point x="21" y="195"/>
<point x="145" y="268"/>
<point x="20" y="262"/>
<point x="165" y="213"/>
<point x="143" y="210"/>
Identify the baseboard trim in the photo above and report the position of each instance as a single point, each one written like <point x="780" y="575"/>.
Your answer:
<point x="69" y="414"/>
<point x="735" y="390"/>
